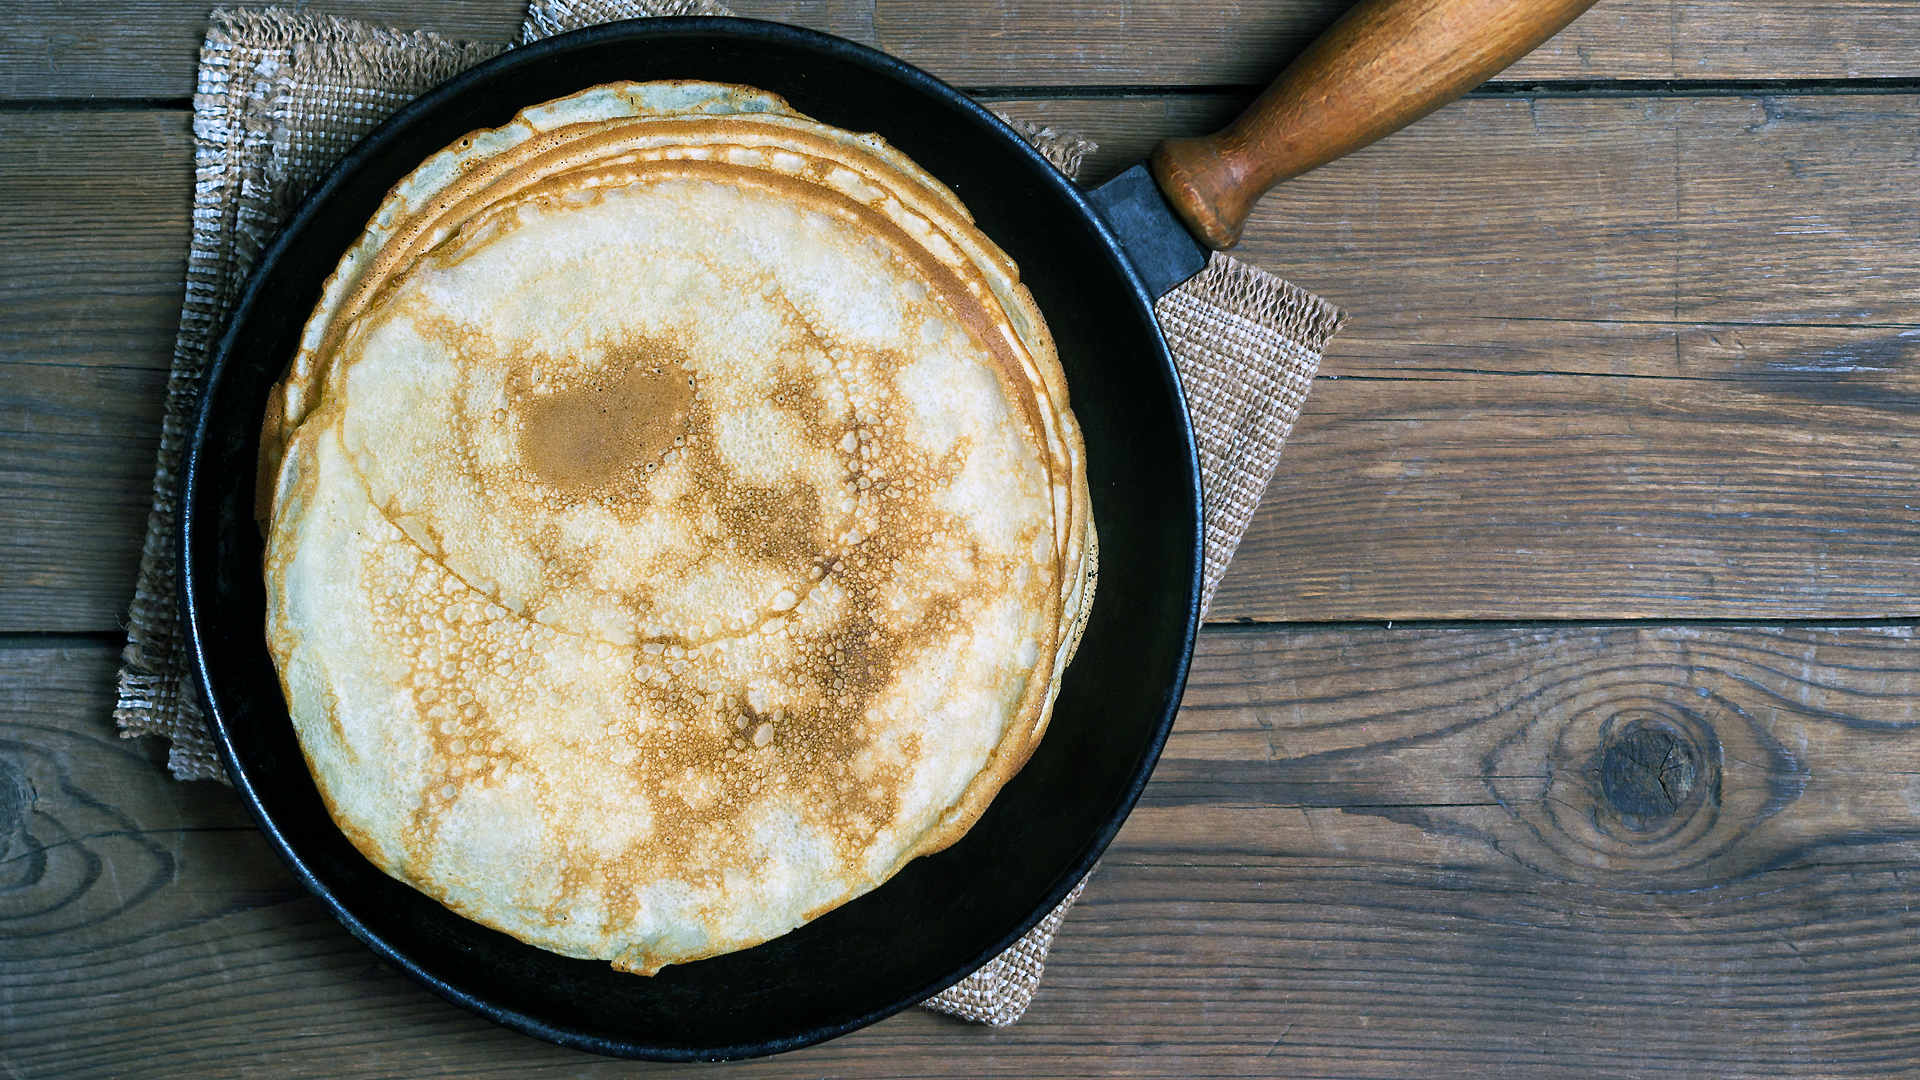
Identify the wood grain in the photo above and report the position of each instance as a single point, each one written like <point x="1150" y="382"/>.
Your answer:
<point x="1759" y="381"/>
<point x="1366" y="852"/>
<point x="148" y="48"/>
<point x="94" y="214"/>
<point x="93" y="240"/>
<point x="145" y="48"/>
<point x="1172" y="43"/>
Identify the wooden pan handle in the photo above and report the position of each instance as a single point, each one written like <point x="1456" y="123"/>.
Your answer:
<point x="1385" y="64"/>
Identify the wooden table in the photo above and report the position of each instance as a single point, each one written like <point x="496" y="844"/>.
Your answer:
<point x="1555" y="719"/>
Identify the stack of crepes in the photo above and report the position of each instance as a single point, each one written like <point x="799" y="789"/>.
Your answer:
<point x="676" y="524"/>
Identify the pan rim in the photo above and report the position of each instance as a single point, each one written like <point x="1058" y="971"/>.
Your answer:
<point x="191" y="533"/>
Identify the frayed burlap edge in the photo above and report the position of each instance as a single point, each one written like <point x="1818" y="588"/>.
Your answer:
<point x="282" y="95"/>
<point x="546" y="18"/>
<point x="1063" y="151"/>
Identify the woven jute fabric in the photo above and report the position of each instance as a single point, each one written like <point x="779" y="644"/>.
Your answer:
<point x="1246" y="344"/>
<point x="283" y="95"/>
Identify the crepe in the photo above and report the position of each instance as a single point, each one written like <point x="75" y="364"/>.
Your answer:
<point x="676" y="524"/>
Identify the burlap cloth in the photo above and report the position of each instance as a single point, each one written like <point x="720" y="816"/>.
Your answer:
<point x="283" y="95"/>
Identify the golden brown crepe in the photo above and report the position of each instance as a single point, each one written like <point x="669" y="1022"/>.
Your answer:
<point x="677" y="524"/>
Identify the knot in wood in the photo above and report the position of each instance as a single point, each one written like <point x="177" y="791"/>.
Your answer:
<point x="16" y="805"/>
<point x="1647" y="772"/>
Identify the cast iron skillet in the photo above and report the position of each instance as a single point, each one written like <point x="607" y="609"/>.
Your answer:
<point x="944" y="915"/>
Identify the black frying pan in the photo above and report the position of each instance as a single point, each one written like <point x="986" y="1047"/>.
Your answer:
<point x="944" y="915"/>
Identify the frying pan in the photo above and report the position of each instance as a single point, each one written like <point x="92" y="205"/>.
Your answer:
<point x="942" y="916"/>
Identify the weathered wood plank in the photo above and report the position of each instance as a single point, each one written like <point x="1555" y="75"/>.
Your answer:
<point x="1507" y="737"/>
<point x="73" y="513"/>
<point x="1367" y="852"/>
<point x="93" y="242"/>
<point x="95" y="216"/>
<point x="1759" y="380"/>
<point x="146" y="48"/>
<point x="1747" y="489"/>
<point x="1170" y="43"/>
<point x="1608" y="359"/>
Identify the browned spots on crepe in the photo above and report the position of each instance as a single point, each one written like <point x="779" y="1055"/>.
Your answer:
<point x="581" y="439"/>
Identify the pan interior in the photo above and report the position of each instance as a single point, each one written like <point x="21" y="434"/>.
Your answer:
<point x="943" y="915"/>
